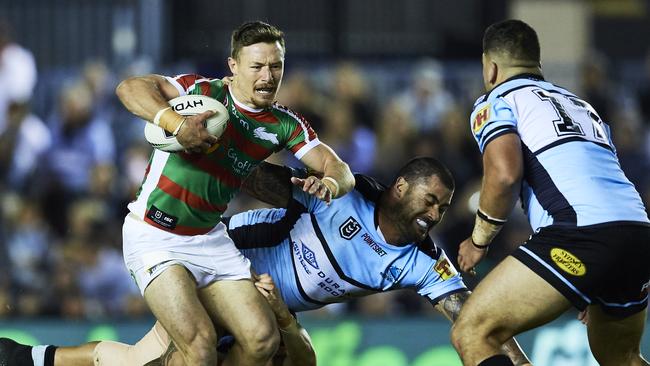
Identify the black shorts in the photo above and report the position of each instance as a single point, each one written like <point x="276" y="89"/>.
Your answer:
<point x="606" y="264"/>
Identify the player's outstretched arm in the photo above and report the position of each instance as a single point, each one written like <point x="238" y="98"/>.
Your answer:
<point x="337" y="177"/>
<point x="450" y="307"/>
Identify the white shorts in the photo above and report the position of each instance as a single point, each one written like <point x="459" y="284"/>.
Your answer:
<point x="210" y="257"/>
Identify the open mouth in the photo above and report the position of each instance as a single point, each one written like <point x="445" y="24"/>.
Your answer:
<point x="423" y="223"/>
<point x="265" y="90"/>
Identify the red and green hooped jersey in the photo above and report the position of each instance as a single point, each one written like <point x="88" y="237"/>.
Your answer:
<point x="186" y="194"/>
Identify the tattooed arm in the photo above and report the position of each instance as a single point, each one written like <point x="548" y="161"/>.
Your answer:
<point x="269" y="183"/>
<point x="450" y="307"/>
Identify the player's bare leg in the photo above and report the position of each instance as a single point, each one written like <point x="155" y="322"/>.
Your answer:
<point x="510" y="300"/>
<point x="154" y="349"/>
<point x="247" y="316"/>
<point x="173" y="299"/>
<point x="616" y="341"/>
<point x="75" y="356"/>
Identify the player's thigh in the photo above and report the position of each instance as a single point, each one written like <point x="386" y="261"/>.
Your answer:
<point x="614" y="340"/>
<point x="240" y="308"/>
<point x="510" y="300"/>
<point x="172" y="298"/>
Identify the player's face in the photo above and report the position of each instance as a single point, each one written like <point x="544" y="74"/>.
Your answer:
<point x="257" y="74"/>
<point x="422" y="207"/>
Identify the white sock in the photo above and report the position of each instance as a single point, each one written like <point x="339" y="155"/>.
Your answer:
<point x="38" y="355"/>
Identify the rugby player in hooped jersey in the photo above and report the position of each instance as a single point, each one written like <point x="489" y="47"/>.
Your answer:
<point x="545" y="143"/>
<point x="179" y="253"/>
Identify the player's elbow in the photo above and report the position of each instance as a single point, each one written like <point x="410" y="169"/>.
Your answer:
<point x="124" y="88"/>
<point x="505" y="175"/>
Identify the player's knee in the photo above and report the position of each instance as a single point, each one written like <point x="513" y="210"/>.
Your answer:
<point x="466" y="331"/>
<point x="263" y="343"/>
<point x="200" y="347"/>
<point x="458" y="336"/>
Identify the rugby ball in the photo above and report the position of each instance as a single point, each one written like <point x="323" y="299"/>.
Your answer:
<point x="188" y="105"/>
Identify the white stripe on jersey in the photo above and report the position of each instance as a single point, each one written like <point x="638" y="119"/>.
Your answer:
<point x="300" y="121"/>
<point x="158" y="161"/>
<point x="306" y="148"/>
<point x="196" y="82"/>
<point x="176" y="84"/>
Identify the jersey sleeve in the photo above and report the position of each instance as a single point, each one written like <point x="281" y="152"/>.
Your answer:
<point x="432" y="274"/>
<point x="300" y="136"/>
<point x="491" y="119"/>
<point x="197" y="85"/>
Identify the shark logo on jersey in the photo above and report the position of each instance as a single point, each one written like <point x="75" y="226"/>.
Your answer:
<point x="262" y="134"/>
<point x="350" y="228"/>
<point x="482" y="116"/>
<point x="309" y="256"/>
<point x="392" y="274"/>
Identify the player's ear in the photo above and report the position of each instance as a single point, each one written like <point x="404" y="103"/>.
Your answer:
<point x="400" y="187"/>
<point x="490" y="70"/>
<point x="232" y="64"/>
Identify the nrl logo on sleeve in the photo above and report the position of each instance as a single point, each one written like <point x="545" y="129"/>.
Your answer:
<point x="349" y="228"/>
<point x="482" y="116"/>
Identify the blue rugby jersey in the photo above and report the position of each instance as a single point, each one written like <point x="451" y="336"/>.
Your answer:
<point x="320" y="254"/>
<point x="571" y="172"/>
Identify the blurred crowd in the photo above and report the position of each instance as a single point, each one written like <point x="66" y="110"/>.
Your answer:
<point x="68" y="171"/>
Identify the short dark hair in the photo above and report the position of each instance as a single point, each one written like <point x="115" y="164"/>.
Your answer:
<point x="513" y="37"/>
<point x="254" y="32"/>
<point x="424" y="167"/>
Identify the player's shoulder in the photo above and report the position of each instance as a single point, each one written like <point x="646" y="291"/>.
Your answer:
<point x="285" y="113"/>
<point x="197" y="84"/>
<point x="429" y="248"/>
<point x="369" y="187"/>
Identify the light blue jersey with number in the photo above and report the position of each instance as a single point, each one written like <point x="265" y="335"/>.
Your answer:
<point x="320" y="254"/>
<point x="571" y="173"/>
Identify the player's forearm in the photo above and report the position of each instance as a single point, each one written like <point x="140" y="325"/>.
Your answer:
<point x="340" y="172"/>
<point x="269" y="183"/>
<point x="499" y="193"/>
<point x="503" y="172"/>
<point x="142" y="96"/>
<point x="297" y="345"/>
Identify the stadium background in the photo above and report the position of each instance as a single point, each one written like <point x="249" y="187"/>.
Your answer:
<point x="380" y="80"/>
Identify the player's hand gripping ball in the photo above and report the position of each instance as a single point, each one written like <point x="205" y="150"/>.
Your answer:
<point x="188" y="105"/>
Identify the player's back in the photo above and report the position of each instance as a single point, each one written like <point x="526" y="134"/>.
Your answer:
<point x="571" y="173"/>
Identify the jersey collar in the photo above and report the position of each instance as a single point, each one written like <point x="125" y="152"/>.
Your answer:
<point x="528" y="76"/>
<point x="242" y="105"/>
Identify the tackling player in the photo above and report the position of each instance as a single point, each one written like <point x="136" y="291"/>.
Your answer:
<point x="187" y="268"/>
<point x="591" y="245"/>
<point x="373" y="239"/>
